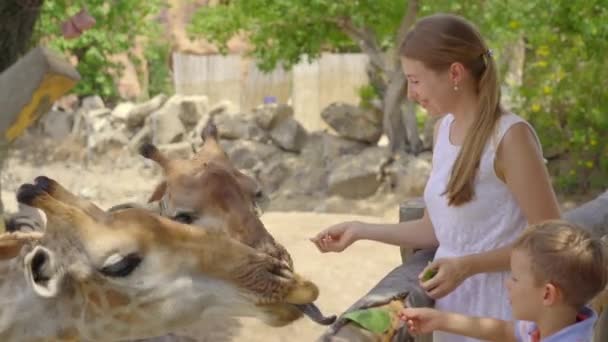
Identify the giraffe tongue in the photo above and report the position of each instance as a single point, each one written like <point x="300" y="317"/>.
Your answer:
<point x="313" y="312"/>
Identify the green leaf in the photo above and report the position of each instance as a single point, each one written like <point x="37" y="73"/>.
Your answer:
<point x="374" y="319"/>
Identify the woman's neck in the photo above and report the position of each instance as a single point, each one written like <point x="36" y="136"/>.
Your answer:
<point x="465" y="109"/>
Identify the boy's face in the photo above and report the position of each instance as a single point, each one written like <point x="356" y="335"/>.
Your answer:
<point x="525" y="295"/>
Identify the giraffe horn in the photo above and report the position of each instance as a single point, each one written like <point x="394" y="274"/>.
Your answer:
<point x="210" y="146"/>
<point x="210" y="131"/>
<point x="58" y="213"/>
<point x="149" y="151"/>
<point x="60" y="193"/>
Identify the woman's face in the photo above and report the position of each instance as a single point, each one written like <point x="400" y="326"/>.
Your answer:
<point x="430" y="89"/>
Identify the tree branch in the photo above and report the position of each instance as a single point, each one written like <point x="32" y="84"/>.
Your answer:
<point x="367" y="41"/>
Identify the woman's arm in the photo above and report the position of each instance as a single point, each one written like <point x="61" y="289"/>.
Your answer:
<point x="520" y="164"/>
<point x="412" y="234"/>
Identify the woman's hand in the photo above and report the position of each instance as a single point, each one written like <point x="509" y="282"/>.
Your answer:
<point x="420" y="320"/>
<point x="337" y="237"/>
<point x="449" y="273"/>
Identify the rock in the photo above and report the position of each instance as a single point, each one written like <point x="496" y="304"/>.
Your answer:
<point x="223" y="108"/>
<point x="408" y="175"/>
<point x="180" y="150"/>
<point x="192" y="108"/>
<point x="106" y="140"/>
<point x="100" y="124"/>
<point x="97" y="113"/>
<point x="239" y="126"/>
<point x="272" y="175"/>
<point x="140" y="112"/>
<point x="334" y="147"/>
<point x="92" y="102"/>
<point x="246" y="154"/>
<point x="357" y="176"/>
<point x="143" y="135"/>
<point x="165" y="124"/>
<point x="289" y="135"/>
<point x="122" y="111"/>
<point x="268" y="115"/>
<point x="195" y="134"/>
<point x="57" y="124"/>
<point x="353" y="122"/>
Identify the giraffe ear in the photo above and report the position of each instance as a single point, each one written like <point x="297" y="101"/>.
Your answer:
<point x="42" y="272"/>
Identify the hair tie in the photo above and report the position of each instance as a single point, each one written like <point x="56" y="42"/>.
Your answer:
<point x="489" y="53"/>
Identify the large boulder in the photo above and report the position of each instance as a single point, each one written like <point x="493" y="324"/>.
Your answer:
<point x="354" y="122"/>
<point x="289" y="135"/>
<point x="358" y="176"/>
<point x="166" y="125"/>
<point x="247" y="154"/>
<point x="57" y="124"/>
<point x="239" y="126"/>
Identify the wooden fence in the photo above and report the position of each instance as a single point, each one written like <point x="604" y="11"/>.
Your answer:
<point x="308" y="87"/>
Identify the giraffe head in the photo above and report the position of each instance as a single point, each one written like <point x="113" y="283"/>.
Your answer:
<point x="208" y="188"/>
<point x="134" y="274"/>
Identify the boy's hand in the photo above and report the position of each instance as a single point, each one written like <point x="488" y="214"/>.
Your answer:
<point x="420" y="320"/>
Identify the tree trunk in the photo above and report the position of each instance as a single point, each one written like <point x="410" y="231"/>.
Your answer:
<point x="17" y="21"/>
<point x="388" y="80"/>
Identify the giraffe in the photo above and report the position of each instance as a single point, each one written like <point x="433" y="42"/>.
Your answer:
<point x="208" y="188"/>
<point x="130" y="274"/>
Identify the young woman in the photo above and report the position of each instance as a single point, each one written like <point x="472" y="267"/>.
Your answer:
<point x="488" y="179"/>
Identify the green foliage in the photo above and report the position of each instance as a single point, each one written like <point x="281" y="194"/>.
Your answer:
<point x="377" y="320"/>
<point x="366" y="94"/>
<point x="157" y="54"/>
<point x="119" y="23"/>
<point x="281" y="31"/>
<point x="564" y="77"/>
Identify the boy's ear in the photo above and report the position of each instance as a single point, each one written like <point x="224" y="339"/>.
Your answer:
<point x="551" y="295"/>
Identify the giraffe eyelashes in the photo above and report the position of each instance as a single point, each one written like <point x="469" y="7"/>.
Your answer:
<point x="184" y="218"/>
<point x="122" y="267"/>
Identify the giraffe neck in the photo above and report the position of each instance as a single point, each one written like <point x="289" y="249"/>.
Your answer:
<point x="25" y="316"/>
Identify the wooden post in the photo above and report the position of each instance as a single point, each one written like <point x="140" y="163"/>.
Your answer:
<point x="409" y="210"/>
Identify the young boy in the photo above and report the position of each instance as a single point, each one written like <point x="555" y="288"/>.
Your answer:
<point x="556" y="268"/>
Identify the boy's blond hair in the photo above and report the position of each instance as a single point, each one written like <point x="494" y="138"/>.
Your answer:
<point x="567" y="256"/>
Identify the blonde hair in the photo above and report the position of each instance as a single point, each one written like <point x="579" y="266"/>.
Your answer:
<point x="567" y="256"/>
<point x="438" y="41"/>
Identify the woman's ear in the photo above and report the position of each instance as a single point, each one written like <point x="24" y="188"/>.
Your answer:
<point x="456" y="73"/>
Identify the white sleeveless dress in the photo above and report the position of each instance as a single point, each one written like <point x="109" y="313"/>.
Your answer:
<point x="491" y="220"/>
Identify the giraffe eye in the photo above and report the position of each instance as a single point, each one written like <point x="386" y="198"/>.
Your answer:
<point x="184" y="218"/>
<point x="122" y="267"/>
